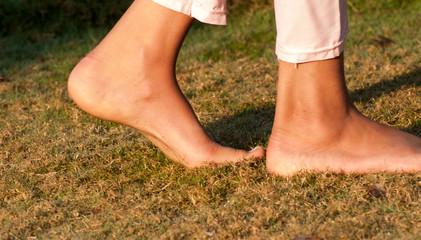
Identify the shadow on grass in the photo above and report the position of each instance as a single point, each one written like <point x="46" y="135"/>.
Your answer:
<point x="387" y="86"/>
<point x="245" y="128"/>
<point x="253" y="126"/>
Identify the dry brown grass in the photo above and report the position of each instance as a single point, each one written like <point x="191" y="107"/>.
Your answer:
<point x="67" y="175"/>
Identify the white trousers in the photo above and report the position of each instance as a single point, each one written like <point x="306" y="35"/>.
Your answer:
<point x="307" y="30"/>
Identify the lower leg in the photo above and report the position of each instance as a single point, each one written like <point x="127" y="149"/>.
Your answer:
<point x="317" y="127"/>
<point x="129" y="78"/>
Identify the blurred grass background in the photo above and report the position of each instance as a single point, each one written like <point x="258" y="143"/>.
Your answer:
<point x="60" y="16"/>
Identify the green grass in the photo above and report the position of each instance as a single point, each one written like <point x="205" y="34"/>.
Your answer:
<point x="65" y="174"/>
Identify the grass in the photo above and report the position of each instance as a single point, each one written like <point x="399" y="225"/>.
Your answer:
<point x="67" y="175"/>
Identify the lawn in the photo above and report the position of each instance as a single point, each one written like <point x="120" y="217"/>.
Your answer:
<point x="67" y="175"/>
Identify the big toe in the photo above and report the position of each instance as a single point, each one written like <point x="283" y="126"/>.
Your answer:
<point x="257" y="152"/>
<point x="227" y="154"/>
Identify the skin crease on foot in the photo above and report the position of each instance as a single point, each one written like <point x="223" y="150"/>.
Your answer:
<point x="129" y="78"/>
<point x="317" y="127"/>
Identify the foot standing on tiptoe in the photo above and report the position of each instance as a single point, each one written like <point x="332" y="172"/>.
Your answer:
<point x="129" y="78"/>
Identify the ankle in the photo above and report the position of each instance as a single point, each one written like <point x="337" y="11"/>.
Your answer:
<point x="143" y="69"/>
<point x="322" y="119"/>
<point x="312" y="98"/>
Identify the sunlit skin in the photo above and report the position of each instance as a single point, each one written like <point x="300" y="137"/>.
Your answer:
<point x="129" y="78"/>
<point x="317" y="127"/>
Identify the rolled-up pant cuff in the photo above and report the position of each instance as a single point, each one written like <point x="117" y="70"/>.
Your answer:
<point x="206" y="11"/>
<point x="307" y="30"/>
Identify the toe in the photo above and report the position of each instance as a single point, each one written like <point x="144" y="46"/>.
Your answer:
<point x="257" y="152"/>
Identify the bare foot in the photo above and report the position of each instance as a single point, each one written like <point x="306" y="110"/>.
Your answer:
<point x="362" y="146"/>
<point x="318" y="129"/>
<point x="129" y="78"/>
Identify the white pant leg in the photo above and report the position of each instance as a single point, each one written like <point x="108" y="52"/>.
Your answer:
<point x="207" y="11"/>
<point x="310" y="30"/>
